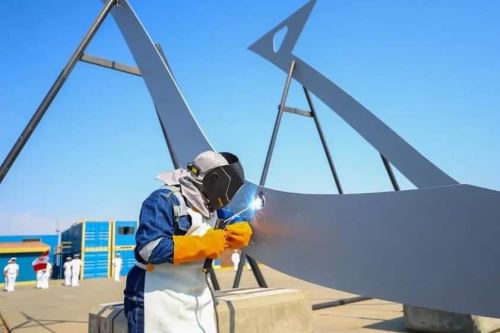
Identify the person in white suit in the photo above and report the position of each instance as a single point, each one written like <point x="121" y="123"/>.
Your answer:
<point x="39" y="279"/>
<point x="10" y="272"/>
<point x="235" y="258"/>
<point x="117" y="267"/>
<point x="76" y="265"/>
<point x="67" y="272"/>
<point x="46" y="276"/>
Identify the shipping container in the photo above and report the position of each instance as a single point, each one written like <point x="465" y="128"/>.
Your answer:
<point x="97" y="242"/>
<point x="91" y="240"/>
<point x="124" y="243"/>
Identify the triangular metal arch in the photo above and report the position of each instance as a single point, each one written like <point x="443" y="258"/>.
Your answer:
<point x="388" y="143"/>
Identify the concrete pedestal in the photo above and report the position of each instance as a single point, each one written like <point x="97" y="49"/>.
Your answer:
<point x="425" y="320"/>
<point x="262" y="310"/>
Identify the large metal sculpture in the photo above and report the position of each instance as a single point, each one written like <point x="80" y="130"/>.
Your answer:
<point x="434" y="247"/>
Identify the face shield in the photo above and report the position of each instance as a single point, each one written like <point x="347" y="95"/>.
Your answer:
<point x="220" y="184"/>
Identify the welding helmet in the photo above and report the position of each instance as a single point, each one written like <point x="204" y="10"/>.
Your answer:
<point x="219" y="184"/>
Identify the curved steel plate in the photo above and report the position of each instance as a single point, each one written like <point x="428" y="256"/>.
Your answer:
<point x="179" y="126"/>
<point x="436" y="247"/>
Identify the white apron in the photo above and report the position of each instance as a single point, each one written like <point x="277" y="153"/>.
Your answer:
<point x="176" y="297"/>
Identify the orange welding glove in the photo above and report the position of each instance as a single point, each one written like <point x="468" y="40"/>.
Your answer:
<point x="195" y="248"/>
<point x="237" y="235"/>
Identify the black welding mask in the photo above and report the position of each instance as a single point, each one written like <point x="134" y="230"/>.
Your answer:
<point x="221" y="183"/>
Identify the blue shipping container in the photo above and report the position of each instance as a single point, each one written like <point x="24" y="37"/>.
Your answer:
<point x="97" y="242"/>
<point x="124" y="243"/>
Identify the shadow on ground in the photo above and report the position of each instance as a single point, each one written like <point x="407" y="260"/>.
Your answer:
<point x="32" y="322"/>
<point x="391" y="325"/>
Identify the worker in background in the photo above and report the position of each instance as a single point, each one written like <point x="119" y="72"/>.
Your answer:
<point x="11" y="271"/>
<point x="6" y="280"/>
<point x="235" y="258"/>
<point x="76" y="265"/>
<point x="67" y="271"/>
<point x="47" y="272"/>
<point x="39" y="279"/>
<point x="117" y="267"/>
<point x="166" y="290"/>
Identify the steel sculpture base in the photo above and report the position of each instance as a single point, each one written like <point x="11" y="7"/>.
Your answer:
<point x="249" y="310"/>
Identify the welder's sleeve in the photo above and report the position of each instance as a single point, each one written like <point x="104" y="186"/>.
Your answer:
<point x="226" y="213"/>
<point x="154" y="243"/>
<point x="237" y="235"/>
<point x="195" y="248"/>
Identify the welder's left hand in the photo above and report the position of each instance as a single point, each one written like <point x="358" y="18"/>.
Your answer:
<point x="237" y="235"/>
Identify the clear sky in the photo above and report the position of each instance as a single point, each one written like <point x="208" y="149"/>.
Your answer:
<point x="430" y="70"/>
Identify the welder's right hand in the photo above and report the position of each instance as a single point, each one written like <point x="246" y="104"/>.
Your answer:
<point x="238" y="235"/>
<point x="195" y="248"/>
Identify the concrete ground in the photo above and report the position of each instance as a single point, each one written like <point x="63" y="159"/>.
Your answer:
<point x="65" y="309"/>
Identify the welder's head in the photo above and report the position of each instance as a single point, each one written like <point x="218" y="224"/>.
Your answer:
<point x="221" y="176"/>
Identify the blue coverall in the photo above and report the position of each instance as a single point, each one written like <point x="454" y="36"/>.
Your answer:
<point x="156" y="221"/>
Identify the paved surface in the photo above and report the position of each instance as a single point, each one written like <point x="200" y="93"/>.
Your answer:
<point x="65" y="309"/>
<point x="57" y="309"/>
<point x="369" y="316"/>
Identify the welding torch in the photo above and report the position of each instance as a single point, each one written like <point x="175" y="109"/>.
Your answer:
<point x="256" y="204"/>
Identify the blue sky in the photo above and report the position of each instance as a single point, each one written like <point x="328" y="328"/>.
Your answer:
<point x="430" y="70"/>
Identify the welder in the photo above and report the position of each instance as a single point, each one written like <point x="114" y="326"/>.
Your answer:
<point x="166" y="290"/>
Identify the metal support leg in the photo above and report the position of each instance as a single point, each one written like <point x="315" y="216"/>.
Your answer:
<point x="110" y="64"/>
<point x="255" y="266"/>
<point x="277" y="124"/>
<point x="388" y="168"/>
<point x="259" y="277"/>
<point x="257" y="272"/>
<point x="213" y="278"/>
<point x="239" y="271"/>
<point x="323" y="141"/>
<point x="35" y="119"/>
<point x="253" y="263"/>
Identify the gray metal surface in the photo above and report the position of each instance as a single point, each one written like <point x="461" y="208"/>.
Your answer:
<point x="179" y="126"/>
<point x="433" y="247"/>
<point x="436" y="247"/>
<point x="110" y="64"/>
<point x="297" y="111"/>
